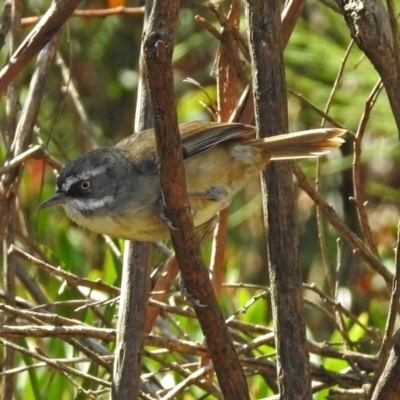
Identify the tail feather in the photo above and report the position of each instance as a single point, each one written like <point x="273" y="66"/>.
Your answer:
<point x="304" y="144"/>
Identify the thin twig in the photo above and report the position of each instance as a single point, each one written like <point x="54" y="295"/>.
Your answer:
<point x="100" y="13"/>
<point x="357" y="182"/>
<point x="71" y="279"/>
<point x="393" y="310"/>
<point x="354" y="241"/>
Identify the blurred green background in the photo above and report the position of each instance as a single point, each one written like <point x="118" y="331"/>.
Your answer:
<point x="101" y="55"/>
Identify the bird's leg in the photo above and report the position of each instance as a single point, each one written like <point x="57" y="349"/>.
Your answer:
<point x="215" y="193"/>
<point x="163" y="217"/>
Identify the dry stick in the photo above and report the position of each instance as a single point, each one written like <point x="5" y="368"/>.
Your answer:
<point x="5" y="22"/>
<point x="189" y="378"/>
<point x="43" y="318"/>
<point x="332" y="283"/>
<point x="101" y="13"/>
<point x="47" y="27"/>
<point x="374" y="30"/>
<point x="321" y="232"/>
<point x="135" y="285"/>
<point x="31" y="285"/>
<point x="36" y="152"/>
<point x="362" y="212"/>
<point x="8" y="185"/>
<point x="160" y="290"/>
<point x="338" y="306"/>
<point x="388" y="385"/>
<point x="244" y="111"/>
<point x="290" y="15"/>
<point x="194" y="378"/>
<point x="87" y="134"/>
<point x="338" y="313"/>
<point x="19" y="159"/>
<point x="315" y="108"/>
<point x="367" y="362"/>
<point x="135" y="289"/>
<point x="352" y="239"/>
<point x="70" y="278"/>
<point x="57" y="331"/>
<point x="55" y="364"/>
<point x="69" y="360"/>
<point x="232" y="30"/>
<point x="227" y="81"/>
<point x="226" y="38"/>
<point x="388" y="339"/>
<point x="158" y="46"/>
<point x="294" y="378"/>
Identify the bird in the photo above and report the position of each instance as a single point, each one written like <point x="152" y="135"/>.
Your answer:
<point x="116" y="191"/>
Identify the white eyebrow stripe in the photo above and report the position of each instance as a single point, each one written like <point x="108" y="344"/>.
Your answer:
<point x="71" y="180"/>
<point x="91" y="204"/>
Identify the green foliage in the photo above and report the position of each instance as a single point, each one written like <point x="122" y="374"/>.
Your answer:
<point x="102" y="58"/>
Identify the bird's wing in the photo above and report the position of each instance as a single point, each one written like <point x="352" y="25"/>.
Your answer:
<point x="201" y="136"/>
<point x="197" y="137"/>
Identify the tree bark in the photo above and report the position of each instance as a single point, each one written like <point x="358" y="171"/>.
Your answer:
<point x="265" y="34"/>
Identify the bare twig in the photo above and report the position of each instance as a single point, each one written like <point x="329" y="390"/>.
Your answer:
<point x="71" y="279"/>
<point x="388" y="339"/>
<point x="358" y="196"/>
<point x="46" y="28"/>
<point x="5" y="22"/>
<point x="100" y="13"/>
<point x="354" y="241"/>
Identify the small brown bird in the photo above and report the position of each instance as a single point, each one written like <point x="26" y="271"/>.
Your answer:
<point x="116" y="190"/>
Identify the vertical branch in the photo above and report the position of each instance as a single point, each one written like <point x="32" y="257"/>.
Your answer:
<point x="158" y="48"/>
<point x="135" y="288"/>
<point x="388" y="385"/>
<point x="7" y="204"/>
<point x="9" y="182"/>
<point x="5" y="22"/>
<point x="245" y="110"/>
<point x="227" y="99"/>
<point x="135" y="285"/>
<point x="265" y="34"/>
<point x="389" y="339"/>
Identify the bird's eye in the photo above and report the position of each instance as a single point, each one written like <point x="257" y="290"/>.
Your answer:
<point x="85" y="185"/>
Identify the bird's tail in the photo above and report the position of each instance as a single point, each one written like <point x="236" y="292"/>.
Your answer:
<point x="304" y="144"/>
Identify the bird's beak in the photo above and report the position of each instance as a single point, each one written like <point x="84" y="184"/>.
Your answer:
<point x="58" y="198"/>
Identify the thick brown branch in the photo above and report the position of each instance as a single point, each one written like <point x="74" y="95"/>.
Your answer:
<point x="286" y="286"/>
<point x="158" y="44"/>
<point x="371" y="29"/>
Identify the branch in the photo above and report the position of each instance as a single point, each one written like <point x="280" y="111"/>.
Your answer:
<point x="270" y="103"/>
<point x="352" y="239"/>
<point x="388" y="385"/>
<point x="372" y="28"/>
<point x="158" y="45"/>
<point x="47" y="27"/>
<point x="135" y="285"/>
<point x="101" y="13"/>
